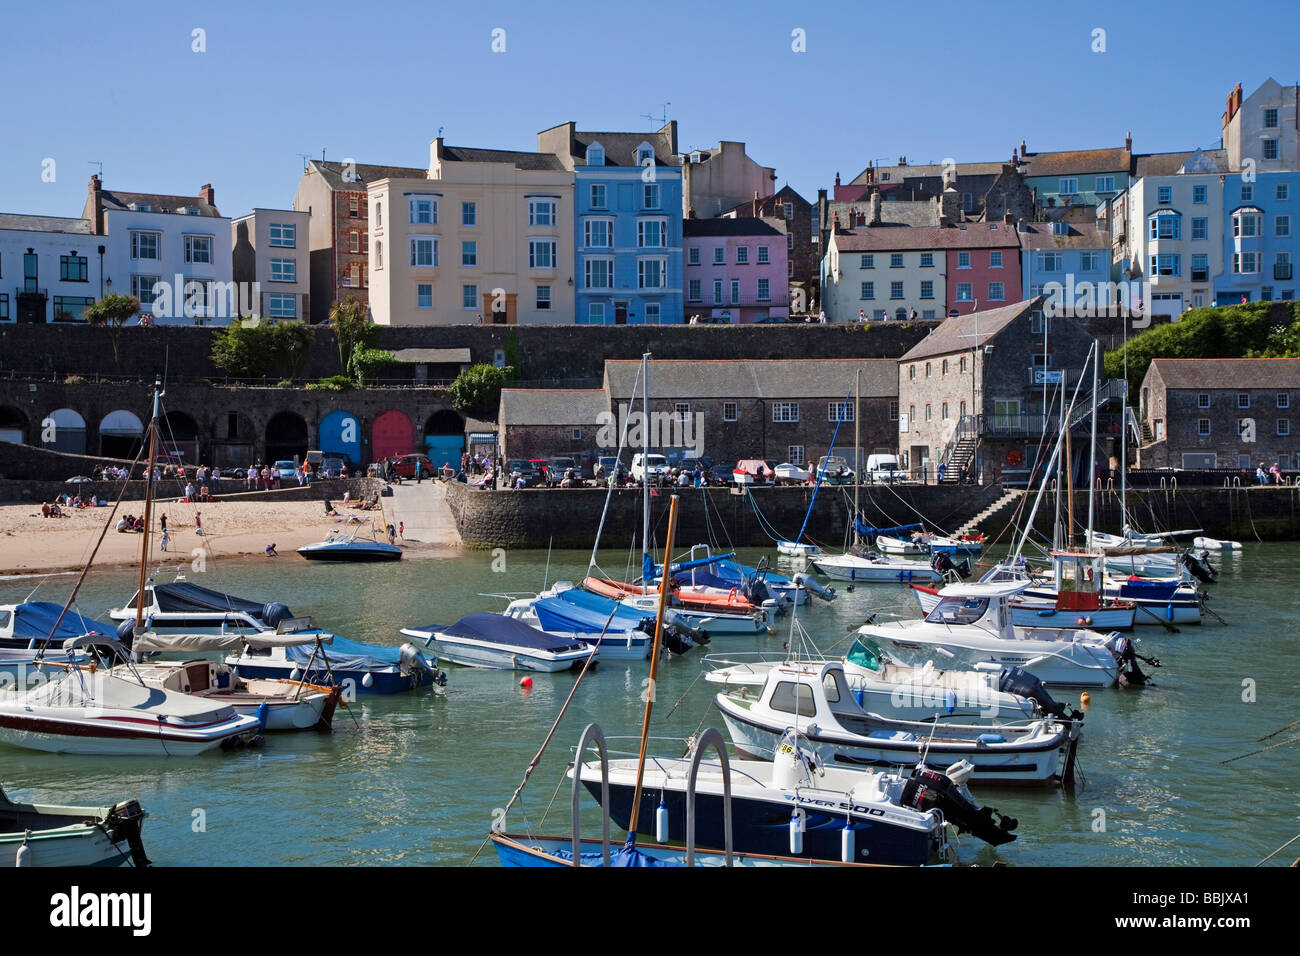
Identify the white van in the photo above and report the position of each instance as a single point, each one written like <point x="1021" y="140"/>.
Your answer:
<point x="656" y="465"/>
<point x="884" y="468"/>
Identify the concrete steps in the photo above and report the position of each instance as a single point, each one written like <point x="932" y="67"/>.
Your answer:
<point x="1012" y="495"/>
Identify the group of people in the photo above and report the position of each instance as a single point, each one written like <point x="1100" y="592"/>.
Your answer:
<point x="259" y="477"/>
<point x="128" y="524"/>
<point x="1270" y="476"/>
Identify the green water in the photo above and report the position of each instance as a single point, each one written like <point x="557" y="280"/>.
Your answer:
<point x="416" y="778"/>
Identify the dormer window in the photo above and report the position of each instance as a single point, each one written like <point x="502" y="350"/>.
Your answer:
<point x="595" y="155"/>
<point x="141" y="207"/>
<point x="645" y="155"/>
<point x="1060" y="229"/>
<point x="697" y="157"/>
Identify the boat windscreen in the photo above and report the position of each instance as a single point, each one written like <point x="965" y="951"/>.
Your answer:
<point x="865" y="654"/>
<point x="958" y="610"/>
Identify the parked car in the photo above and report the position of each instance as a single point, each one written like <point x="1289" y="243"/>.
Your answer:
<point x="834" y="470"/>
<point x="652" y="465"/>
<point x="788" y="474"/>
<point x="771" y="320"/>
<point x="720" y="475"/>
<point x="556" y="466"/>
<point x="286" y="468"/>
<point x="405" y="466"/>
<point x="527" y="469"/>
<point x="884" y="469"/>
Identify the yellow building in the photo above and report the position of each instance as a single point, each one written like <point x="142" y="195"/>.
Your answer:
<point x="486" y="236"/>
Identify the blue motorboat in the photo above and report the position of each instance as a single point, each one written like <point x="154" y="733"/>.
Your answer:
<point x="334" y="660"/>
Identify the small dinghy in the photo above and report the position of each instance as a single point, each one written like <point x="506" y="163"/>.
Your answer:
<point x="874" y="567"/>
<point x="794" y="804"/>
<point x="349" y="546"/>
<point x="797" y="549"/>
<point x="35" y="834"/>
<point x="1215" y="544"/>
<point x="498" y="642"/>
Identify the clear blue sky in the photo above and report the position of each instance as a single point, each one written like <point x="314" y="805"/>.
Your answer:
<point x="120" y="83"/>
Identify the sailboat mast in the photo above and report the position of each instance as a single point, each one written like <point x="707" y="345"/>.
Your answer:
<point x="148" y="508"/>
<point x="654" y="666"/>
<point x="1092" y="445"/>
<point x="645" y="468"/>
<point x="857" y="450"/>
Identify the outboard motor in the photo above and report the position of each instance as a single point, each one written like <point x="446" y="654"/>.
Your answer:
<point x="1018" y="681"/>
<point x="930" y="790"/>
<point x="411" y="663"/>
<point x="1131" y="675"/>
<point x="805" y="580"/>
<point x="1200" y="567"/>
<point x="794" y="766"/>
<point x="756" y="591"/>
<point x="274" y="612"/>
<point x="944" y="564"/>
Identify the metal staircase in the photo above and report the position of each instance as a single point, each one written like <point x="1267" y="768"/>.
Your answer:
<point x="960" y="458"/>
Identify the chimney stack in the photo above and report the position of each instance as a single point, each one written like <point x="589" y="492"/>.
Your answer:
<point x="874" y="206"/>
<point x="836" y="222"/>
<point x="1128" y="142"/>
<point x="96" y="205"/>
<point x="756" y="204"/>
<point x="837" y="179"/>
<point x="1023" y="150"/>
<point x="207" y="195"/>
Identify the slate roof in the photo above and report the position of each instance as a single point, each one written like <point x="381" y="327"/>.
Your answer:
<point x="741" y="226"/>
<point x="772" y="379"/>
<point x="1039" y="235"/>
<point x="959" y="334"/>
<point x="967" y="235"/>
<point x="517" y="158"/>
<point x="899" y="173"/>
<point x="116" y="200"/>
<point x="332" y="173"/>
<point x="1234" y="374"/>
<point x="25" y="223"/>
<point x="551" y="406"/>
<point x="620" y="148"/>
<point x="1168" y="164"/>
<point x="1071" y="161"/>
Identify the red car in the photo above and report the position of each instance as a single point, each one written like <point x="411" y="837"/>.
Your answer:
<point x="404" y="467"/>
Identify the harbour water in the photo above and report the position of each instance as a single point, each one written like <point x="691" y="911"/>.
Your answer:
<point x="415" y="778"/>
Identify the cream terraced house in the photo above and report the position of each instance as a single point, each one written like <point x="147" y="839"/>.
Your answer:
<point x="486" y="236"/>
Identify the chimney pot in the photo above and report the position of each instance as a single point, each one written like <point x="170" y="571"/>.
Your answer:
<point x="207" y="194"/>
<point x="1128" y="142"/>
<point x="837" y="179"/>
<point x="1022" y="149"/>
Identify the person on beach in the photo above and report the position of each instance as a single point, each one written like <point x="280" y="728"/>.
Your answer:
<point x="166" y="540"/>
<point x="123" y="524"/>
<point x="401" y="530"/>
<point x="392" y="535"/>
<point x="45" y="509"/>
<point x="271" y="552"/>
<point x="198" y="522"/>
<point x="418" y="476"/>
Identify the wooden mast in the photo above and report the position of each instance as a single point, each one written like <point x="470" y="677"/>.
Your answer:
<point x="654" y="667"/>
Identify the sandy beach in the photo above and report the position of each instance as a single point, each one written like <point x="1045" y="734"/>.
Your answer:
<point x="31" y="543"/>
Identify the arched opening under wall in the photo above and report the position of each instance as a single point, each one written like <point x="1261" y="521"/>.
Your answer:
<point x="13" y="425"/>
<point x="391" y="436"/>
<point x="64" y="430"/>
<point x="444" y="438"/>
<point x="178" y="439"/>
<point x="340" y="436"/>
<point x="235" y="444"/>
<point x="286" y="437"/>
<point x="120" y="434"/>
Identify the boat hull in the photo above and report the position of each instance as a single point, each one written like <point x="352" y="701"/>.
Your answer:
<point x="342" y="553"/>
<point x="546" y="851"/>
<point x="504" y="658"/>
<point x="388" y="681"/>
<point x="1103" y="619"/>
<point x="872" y="571"/>
<point x="118" y="738"/>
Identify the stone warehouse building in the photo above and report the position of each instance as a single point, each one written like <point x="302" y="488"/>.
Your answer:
<point x="1219" y="413"/>
<point x="541" y="422"/>
<point x="777" y="410"/>
<point x="970" y="393"/>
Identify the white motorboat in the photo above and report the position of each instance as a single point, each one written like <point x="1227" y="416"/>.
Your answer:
<point x="900" y="547"/>
<point x="103" y="713"/>
<point x="182" y="606"/>
<point x="972" y="625"/>
<point x="31" y="641"/>
<point x="902" y="692"/>
<point x="880" y="812"/>
<point x="349" y="546"/>
<point x="797" y="549"/>
<point x="874" y="567"/>
<point x="279" y="704"/>
<point x="498" y="642"/>
<point x="37" y="834"/>
<point x="1215" y="544"/>
<point x="815" y="699"/>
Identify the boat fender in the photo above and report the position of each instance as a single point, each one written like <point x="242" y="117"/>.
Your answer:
<point x="263" y="716"/>
<point x="24" y="855"/>
<point x="661" y="823"/>
<point x="985" y="739"/>
<point x="846" y="841"/>
<point x="950" y="700"/>
<point x="796" y="831"/>
<point x="527" y="684"/>
<point x="368" y="681"/>
<point x="295" y="674"/>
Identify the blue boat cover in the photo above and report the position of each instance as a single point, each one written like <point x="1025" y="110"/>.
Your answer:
<point x="34" y="620"/>
<point x="499" y="629"/>
<point x="579" y="610"/>
<point x="347" y="655"/>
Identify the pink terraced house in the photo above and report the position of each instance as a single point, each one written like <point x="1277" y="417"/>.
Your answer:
<point x="983" y="265"/>
<point x="736" y="270"/>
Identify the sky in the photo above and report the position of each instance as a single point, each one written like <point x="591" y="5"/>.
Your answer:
<point x="126" y="85"/>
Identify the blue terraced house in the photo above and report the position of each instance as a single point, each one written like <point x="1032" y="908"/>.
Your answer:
<point x="1070" y="253"/>
<point x="1261" y="239"/>
<point x="628" y="223"/>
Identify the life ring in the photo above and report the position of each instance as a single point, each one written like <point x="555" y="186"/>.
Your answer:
<point x="1014" y="458"/>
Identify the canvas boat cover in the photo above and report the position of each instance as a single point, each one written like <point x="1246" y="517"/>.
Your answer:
<point x="578" y="610"/>
<point x="188" y="643"/>
<point x="34" y="620"/>
<point x="182" y="598"/>
<point x="498" y="629"/>
<point x="345" y="655"/>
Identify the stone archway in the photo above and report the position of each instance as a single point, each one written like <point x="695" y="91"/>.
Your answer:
<point x="444" y="438"/>
<point x="178" y="438"/>
<point x="120" y="433"/>
<point x="392" y="435"/>
<point x="13" y="425"/>
<point x="340" y="436"/>
<point x="64" y="430"/>
<point x="286" y="437"/>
